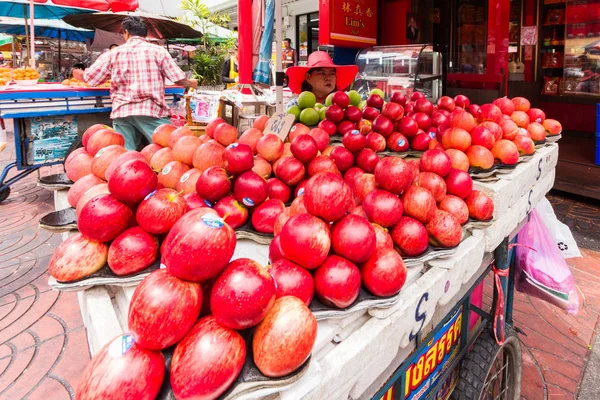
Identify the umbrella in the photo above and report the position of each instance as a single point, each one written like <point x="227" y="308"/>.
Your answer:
<point x="262" y="72"/>
<point x="48" y="10"/>
<point x="53" y="29"/>
<point x="158" y="27"/>
<point x="103" y="40"/>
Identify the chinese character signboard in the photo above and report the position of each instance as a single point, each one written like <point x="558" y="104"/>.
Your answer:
<point x="348" y="23"/>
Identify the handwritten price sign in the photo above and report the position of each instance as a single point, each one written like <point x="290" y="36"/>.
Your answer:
<point x="280" y="125"/>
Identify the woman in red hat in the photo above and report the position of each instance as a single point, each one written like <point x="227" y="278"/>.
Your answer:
<point x="320" y="76"/>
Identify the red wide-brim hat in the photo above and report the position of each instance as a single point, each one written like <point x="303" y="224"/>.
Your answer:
<point x="345" y="74"/>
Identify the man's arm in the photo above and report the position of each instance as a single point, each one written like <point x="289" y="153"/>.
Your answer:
<point x="173" y="73"/>
<point x="98" y="73"/>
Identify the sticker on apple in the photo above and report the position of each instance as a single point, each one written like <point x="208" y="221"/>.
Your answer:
<point x="212" y="221"/>
<point x="120" y="345"/>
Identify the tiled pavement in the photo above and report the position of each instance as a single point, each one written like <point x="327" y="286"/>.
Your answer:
<point x="43" y="347"/>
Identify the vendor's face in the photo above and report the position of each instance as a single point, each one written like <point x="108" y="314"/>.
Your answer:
<point x="322" y="81"/>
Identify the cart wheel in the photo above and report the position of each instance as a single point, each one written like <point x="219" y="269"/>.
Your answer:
<point x="490" y="371"/>
<point x="4" y="193"/>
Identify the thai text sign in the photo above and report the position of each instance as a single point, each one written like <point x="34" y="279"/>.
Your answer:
<point x="348" y="23"/>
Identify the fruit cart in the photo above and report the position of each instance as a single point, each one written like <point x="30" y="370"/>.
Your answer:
<point x="411" y="348"/>
<point x="48" y="118"/>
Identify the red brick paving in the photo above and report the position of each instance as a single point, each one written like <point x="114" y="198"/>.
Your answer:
<point x="43" y="345"/>
<point x="556" y="345"/>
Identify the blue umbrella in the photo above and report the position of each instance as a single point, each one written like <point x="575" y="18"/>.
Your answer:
<point x="52" y="29"/>
<point x="20" y="9"/>
<point x="262" y="72"/>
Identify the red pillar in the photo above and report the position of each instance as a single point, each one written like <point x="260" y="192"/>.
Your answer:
<point x="245" y="41"/>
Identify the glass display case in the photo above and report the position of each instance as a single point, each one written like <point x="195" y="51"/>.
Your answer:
<point x="582" y="48"/>
<point x="400" y="68"/>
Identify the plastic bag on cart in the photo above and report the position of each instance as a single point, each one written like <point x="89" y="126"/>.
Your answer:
<point x="560" y="232"/>
<point x="541" y="271"/>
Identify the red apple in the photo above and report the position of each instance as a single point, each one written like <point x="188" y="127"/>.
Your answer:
<point x="552" y="126"/>
<point x="521" y="104"/>
<point x="193" y="201"/>
<point x="446" y="103"/>
<point x="91" y="131"/>
<point x="289" y="322"/>
<point x="417" y="96"/>
<point x="459" y="183"/>
<point x="263" y="218"/>
<point x="275" y="252"/>
<point x="383" y="208"/>
<point x="305" y="240"/>
<point x="506" y="151"/>
<point x="364" y="126"/>
<point x="493" y="127"/>
<point x="343" y="158"/>
<point x="353" y="114"/>
<point x="79" y="166"/>
<point x="397" y="142"/>
<point x="363" y="185"/>
<point x="419" y="203"/>
<point x="353" y="238"/>
<point x="489" y="112"/>
<point x="278" y="190"/>
<point x="351" y="175"/>
<point x="370" y="113"/>
<point x="375" y="101"/>
<point x="367" y="160"/>
<point x="410" y="236"/>
<point x="262" y="167"/>
<point x="328" y="126"/>
<point x="225" y="134"/>
<point x="439" y="118"/>
<point x="432" y="182"/>
<point x="187" y="182"/>
<point x="376" y="142"/>
<point x="171" y="174"/>
<point x="242" y="294"/>
<point x="163" y="309"/>
<point x="76" y="258"/>
<point x="383" y="126"/>
<point x="337" y="282"/>
<point x="384" y="273"/>
<point x="323" y="164"/>
<point x="462" y="101"/>
<point x="161" y="158"/>
<point x="159" y="211"/>
<point x="80" y="187"/>
<point x="73" y="154"/>
<point x="480" y="157"/>
<point x="334" y="113"/>
<point x="383" y="239"/>
<point x="304" y="148"/>
<point x="199" y="246"/>
<point x="292" y="280"/>
<point x="455" y="206"/>
<point x="393" y="111"/>
<point x="524" y="144"/>
<point x="261" y="122"/>
<point x="207" y="360"/>
<point x="238" y="158"/>
<point x="482" y="136"/>
<point x="536" y="130"/>
<point x="234" y="213"/>
<point x="213" y="184"/>
<point x="408" y="127"/>
<point x="103" y="138"/>
<point x="89" y="194"/>
<point x="251" y="137"/>
<point x="393" y="174"/>
<point x="421" y="142"/>
<point x="208" y="155"/>
<point x="327" y="196"/>
<point x="520" y="118"/>
<point x="459" y="159"/>
<point x="509" y="129"/>
<point x="424" y="106"/>
<point x="354" y="141"/>
<point x="290" y="170"/>
<point x="481" y="207"/>
<point x="210" y="128"/>
<point x="456" y="138"/>
<point x="436" y="161"/>
<point x="505" y="104"/>
<point x="423" y="120"/>
<point x="250" y="189"/>
<point x="105" y="156"/>
<point x="132" y="251"/>
<point x="398" y="97"/>
<point x="536" y="115"/>
<point x="341" y="99"/>
<point x="463" y="120"/>
<point x="270" y="147"/>
<point x="444" y="230"/>
<point x="103" y="218"/>
<point x="321" y="137"/>
<point x="122" y="369"/>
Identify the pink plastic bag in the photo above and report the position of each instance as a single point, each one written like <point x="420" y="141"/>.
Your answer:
<point x="541" y="270"/>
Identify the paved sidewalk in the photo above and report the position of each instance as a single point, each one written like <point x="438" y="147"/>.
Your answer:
<point x="43" y="345"/>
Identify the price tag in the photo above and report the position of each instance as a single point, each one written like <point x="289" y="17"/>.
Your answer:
<point x="280" y="125"/>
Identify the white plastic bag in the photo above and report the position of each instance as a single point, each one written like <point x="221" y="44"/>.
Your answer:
<point x="560" y="232"/>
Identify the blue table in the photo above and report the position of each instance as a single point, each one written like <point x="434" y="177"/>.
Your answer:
<point x="47" y="120"/>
